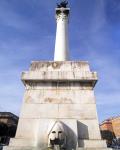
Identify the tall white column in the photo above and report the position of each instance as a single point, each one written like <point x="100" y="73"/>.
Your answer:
<point x="61" y="43"/>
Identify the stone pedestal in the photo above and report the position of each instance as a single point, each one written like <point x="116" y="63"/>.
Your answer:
<point x="58" y="92"/>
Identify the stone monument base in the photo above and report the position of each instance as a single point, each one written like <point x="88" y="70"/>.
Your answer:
<point x="59" y="100"/>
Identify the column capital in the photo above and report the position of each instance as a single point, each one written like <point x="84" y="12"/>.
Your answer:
<point x="62" y="10"/>
<point x="62" y="13"/>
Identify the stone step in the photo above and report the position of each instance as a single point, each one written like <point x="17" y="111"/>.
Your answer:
<point x="18" y="148"/>
<point x="16" y="142"/>
<point x="32" y="148"/>
<point x="94" y="148"/>
<point x="92" y="143"/>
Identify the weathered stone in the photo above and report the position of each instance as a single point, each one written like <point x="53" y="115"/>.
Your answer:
<point x="92" y="143"/>
<point x="62" y="92"/>
<point x="60" y="96"/>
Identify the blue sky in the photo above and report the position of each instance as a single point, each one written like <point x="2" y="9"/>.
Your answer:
<point x="27" y="32"/>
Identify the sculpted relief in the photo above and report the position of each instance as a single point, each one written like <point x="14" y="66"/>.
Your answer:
<point x="57" y="136"/>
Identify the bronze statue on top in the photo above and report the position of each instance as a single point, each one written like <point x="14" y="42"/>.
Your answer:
<point x="62" y="4"/>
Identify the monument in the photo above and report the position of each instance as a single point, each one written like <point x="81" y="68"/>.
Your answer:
<point x="59" y="107"/>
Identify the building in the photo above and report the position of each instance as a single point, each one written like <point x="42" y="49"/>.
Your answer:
<point x="8" y="118"/>
<point x="106" y="125"/>
<point x="110" y="130"/>
<point x="112" y="125"/>
<point x="8" y="126"/>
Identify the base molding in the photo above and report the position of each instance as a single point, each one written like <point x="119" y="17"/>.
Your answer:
<point x="27" y="144"/>
<point x="33" y="148"/>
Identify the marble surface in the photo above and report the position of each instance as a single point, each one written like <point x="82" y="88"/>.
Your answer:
<point x="58" y="91"/>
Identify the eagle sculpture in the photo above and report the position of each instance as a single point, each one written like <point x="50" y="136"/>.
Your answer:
<point x="62" y="4"/>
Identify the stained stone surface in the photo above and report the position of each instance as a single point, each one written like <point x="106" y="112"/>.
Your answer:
<point x="58" y="91"/>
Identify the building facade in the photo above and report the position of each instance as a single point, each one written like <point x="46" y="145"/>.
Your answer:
<point x="110" y="131"/>
<point x="111" y="124"/>
<point x="8" y="125"/>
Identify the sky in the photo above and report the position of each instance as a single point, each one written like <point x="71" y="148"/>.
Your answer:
<point x="27" y="33"/>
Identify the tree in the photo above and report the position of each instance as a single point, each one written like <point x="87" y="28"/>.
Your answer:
<point x="108" y="136"/>
<point x="3" y="129"/>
